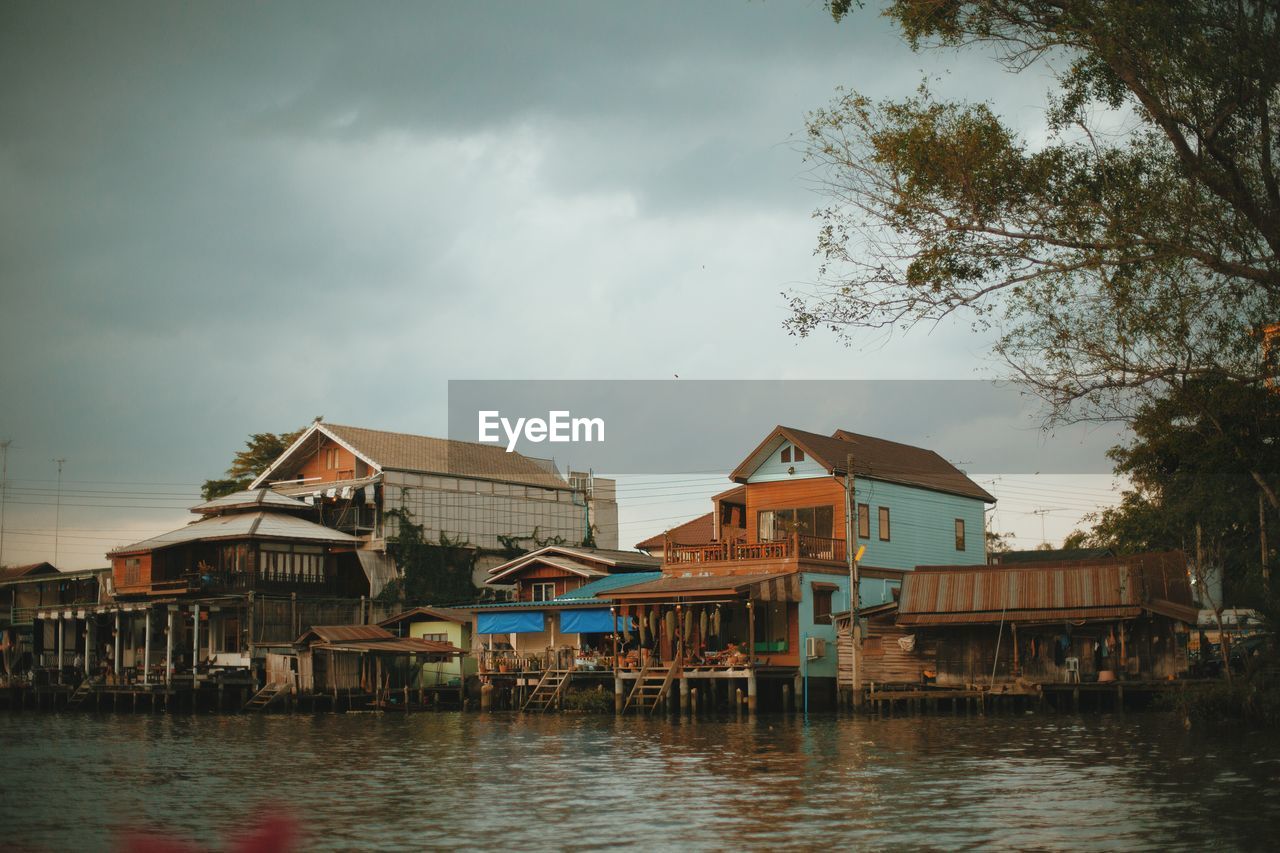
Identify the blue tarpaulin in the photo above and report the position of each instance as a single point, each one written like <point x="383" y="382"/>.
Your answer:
<point x="514" y="622"/>
<point x="587" y="621"/>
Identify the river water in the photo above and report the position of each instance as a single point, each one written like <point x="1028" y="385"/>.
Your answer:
<point x="1141" y="781"/>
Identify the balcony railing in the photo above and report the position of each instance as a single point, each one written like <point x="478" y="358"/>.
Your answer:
<point x="801" y="545"/>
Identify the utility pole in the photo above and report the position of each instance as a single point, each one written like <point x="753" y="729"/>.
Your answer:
<point x="851" y="552"/>
<point x="1262" y="544"/>
<point x="4" y="488"/>
<point x="57" y="518"/>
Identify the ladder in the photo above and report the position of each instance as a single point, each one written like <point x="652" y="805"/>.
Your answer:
<point x="548" y="690"/>
<point x="81" y="693"/>
<point x="265" y="697"/>
<point x="652" y="686"/>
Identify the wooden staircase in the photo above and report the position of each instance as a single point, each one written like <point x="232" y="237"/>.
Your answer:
<point x="81" y="693"/>
<point x="547" y="692"/>
<point x="652" y="686"/>
<point x="264" y="697"/>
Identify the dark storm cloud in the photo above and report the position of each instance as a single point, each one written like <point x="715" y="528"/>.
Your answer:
<point x="225" y="218"/>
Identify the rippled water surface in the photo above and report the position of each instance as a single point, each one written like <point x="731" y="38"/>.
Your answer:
<point x="575" y="782"/>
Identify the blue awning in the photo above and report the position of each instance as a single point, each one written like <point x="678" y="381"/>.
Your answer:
<point x="512" y="622"/>
<point x="599" y="621"/>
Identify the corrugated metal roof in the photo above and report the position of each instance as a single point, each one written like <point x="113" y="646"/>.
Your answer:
<point x="707" y="583"/>
<point x="1058" y="589"/>
<point x="254" y="525"/>
<point x="345" y="633"/>
<point x="1074" y="614"/>
<point x="249" y="499"/>
<point x="609" y="583"/>
<point x="28" y="570"/>
<point x="379" y="568"/>
<point x="874" y="458"/>
<point x="399" y="645"/>
<point x="427" y="614"/>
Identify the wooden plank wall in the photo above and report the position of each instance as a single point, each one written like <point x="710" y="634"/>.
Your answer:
<point x="785" y="494"/>
<point x="883" y="660"/>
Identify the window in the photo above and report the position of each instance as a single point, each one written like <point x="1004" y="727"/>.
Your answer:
<point x="132" y="570"/>
<point x="292" y="564"/>
<point x="884" y="524"/>
<point x="543" y="591"/>
<point x="436" y="638"/>
<point x="822" y="595"/>
<point x="864" y="521"/>
<point x="959" y="534"/>
<point x="798" y="456"/>
<point x="786" y="454"/>
<point x="775" y="524"/>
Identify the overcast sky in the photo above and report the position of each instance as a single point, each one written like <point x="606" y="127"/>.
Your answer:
<point x="225" y="218"/>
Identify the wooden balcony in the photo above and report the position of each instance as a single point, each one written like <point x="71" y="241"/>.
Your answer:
<point x="798" y="546"/>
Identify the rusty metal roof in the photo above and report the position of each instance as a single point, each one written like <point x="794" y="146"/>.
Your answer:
<point x="695" y="532"/>
<point x="430" y="614"/>
<point x="345" y="633"/>
<point x="1074" y="590"/>
<point x="1074" y="614"/>
<point x="396" y="645"/>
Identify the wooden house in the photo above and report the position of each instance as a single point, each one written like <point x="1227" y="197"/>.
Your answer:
<point x="553" y="613"/>
<point x="439" y="625"/>
<point x="755" y="602"/>
<point x="363" y="481"/>
<point x="26" y="591"/>
<point x="1016" y="626"/>
<point x="366" y="660"/>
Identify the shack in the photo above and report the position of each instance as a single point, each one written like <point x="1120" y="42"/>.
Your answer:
<point x="367" y="661"/>
<point x="1018" y="627"/>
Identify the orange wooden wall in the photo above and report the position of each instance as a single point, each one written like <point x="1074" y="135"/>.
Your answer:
<point x="786" y="494"/>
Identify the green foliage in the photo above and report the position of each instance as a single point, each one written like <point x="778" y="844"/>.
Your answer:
<point x="1200" y="457"/>
<point x="260" y="451"/>
<point x="998" y="543"/>
<point x="1253" y="699"/>
<point x="1134" y="248"/>
<point x="591" y="701"/>
<point x="431" y="572"/>
<point x="514" y="546"/>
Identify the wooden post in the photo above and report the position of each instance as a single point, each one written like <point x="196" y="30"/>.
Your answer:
<point x="797" y="692"/>
<point x="1262" y="544"/>
<point x="751" y="692"/>
<point x="684" y="694"/>
<point x="115" y="664"/>
<point x="1013" y="628"/>
<point x="195" y="641"/>
<point x="855" y="592"/>
<point x="168" y="650"/>
<point x="62" y="630"/>
<point x="146" y="649"/>
<point x="617" y="693"/>
<point x="786" y="697"/>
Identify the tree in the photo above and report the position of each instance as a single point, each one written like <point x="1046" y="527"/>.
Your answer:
<point x="1134" y="250"/>
<point x="260" y="451"/>
<point x="1194" y="463"/>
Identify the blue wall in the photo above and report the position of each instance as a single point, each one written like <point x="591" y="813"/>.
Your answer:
<point x="872" y="591"/>
<point x="921" y="526"/>
<point x="774" y="469"/>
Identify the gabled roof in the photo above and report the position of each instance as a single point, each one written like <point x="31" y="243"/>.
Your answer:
<point x="696" y="532"/>
<point x="9" y="573"/>
<point x="581" y="561"/>
<point x="429" y="614"/>
<point x="247" y="525"/>
<point x="874" y="458"/>
<point x="249" y="499"/>
<point x="398" y="451"/>
<point x="1112" y="588"/>
<point x="370" y="638"/>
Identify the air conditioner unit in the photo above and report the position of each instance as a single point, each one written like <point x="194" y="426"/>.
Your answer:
<point x="815" y="647"/>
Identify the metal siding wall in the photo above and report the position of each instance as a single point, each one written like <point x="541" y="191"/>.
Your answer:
<point x="921" y="526"/>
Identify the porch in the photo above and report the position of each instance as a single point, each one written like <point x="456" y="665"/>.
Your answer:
<point x="792" y="550"/>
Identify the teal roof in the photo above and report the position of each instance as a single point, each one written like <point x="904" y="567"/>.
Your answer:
<point x="608" y="584"/>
